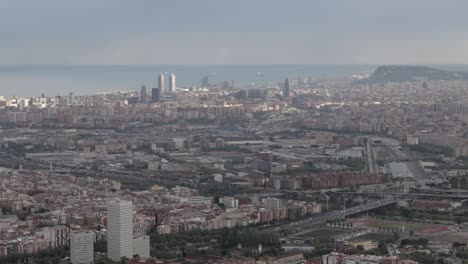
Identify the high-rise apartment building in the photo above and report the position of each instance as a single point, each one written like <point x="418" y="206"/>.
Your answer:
<point x="119" y="229"/>
<point x="161" y="82"/>
<point x="172" y="83"/>
<point x="143" y="94"/>
<point x="82" y="247"/>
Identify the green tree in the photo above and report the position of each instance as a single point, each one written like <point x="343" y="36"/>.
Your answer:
<point x="408" y="214"/>
<point x="123" y="260"/>
<point x="360" y="248"/>
<point x="100" y="246"/>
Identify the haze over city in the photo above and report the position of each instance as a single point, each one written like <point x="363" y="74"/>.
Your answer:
<point x="233" y="132"/>
<point x="233" y="32"/>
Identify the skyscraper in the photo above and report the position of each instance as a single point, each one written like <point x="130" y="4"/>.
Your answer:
<point x="81" y="247"/>
<point x="70" y="98"/>
<point x="119" y="229"/>
<point x="143" y="94"/>
<point x="205" y="82"/>
<point x="161" y="82"/>
<point x="286" y="88"/>
<point x="172" y="83"/>
<point x="155" y="95"/>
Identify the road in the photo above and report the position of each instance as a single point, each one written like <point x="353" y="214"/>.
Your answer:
<point x="369" y="154"/>
<point x="322" y="218"/>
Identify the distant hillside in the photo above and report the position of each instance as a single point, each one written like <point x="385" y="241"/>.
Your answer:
<point x="385" y="74"/>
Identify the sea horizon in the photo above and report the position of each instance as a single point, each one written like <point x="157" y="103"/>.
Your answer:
<point x="82" y="79"/>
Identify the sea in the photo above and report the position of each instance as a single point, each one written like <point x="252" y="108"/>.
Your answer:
<point x="26" y="81"/>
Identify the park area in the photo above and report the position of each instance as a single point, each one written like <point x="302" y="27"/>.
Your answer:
<point x="398" y="226"/>
<point x="374" y="237"/>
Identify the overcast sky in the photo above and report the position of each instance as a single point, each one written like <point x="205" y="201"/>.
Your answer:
<point x="233" y="32"/>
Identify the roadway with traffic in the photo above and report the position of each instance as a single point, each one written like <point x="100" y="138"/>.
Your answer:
<point x="333" y="215"/>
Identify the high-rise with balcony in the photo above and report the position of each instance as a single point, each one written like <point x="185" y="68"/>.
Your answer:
<point x="119" y="229"/>
<point x="81" y="247"/>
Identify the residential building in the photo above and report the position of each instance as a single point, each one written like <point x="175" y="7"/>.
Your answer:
<point x="141" y="247"/>
<point x="82" y="247"/>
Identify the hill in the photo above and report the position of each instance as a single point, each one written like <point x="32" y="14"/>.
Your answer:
<point x="385" y="74"/>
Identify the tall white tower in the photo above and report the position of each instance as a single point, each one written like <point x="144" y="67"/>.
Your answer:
<point x="119" y="229"/>
<point x="161" y="82"/>
<point x="172" y="83"/>
<point x="81" y="247"/>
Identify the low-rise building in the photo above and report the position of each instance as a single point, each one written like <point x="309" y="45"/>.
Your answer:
<point x="82" y="247"/>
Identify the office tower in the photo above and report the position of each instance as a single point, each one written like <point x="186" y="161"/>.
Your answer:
<point x="141" y="247"/>
<point x="155" y="95"/>
<point x="205" y="82"/>
<point x="70" y="98"/>
<point x="161" y="82"/>
<point x="225" y="85"/>
<point x="119" y="229"/>
<point x="81" y="247"/>
<point x="172" y="84"/>
<point x="286" y="88"/>
<point x="143" y="94"/>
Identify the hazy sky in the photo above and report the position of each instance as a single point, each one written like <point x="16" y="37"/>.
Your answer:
<point x="233" y="31"/>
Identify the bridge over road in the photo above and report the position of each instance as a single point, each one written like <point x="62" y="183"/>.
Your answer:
<point x="339" y="214"/>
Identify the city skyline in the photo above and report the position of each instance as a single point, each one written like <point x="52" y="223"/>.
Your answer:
<point x="236" y="132"/>
<point x="144" y="177"/>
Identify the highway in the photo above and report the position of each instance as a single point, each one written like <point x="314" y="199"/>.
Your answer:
<point x="322" y="218"/>
<point x="370" y="161"/>
<point x="431" y="193"/>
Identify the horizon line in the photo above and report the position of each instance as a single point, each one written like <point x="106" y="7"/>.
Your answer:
<point x="229" y="64"/>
